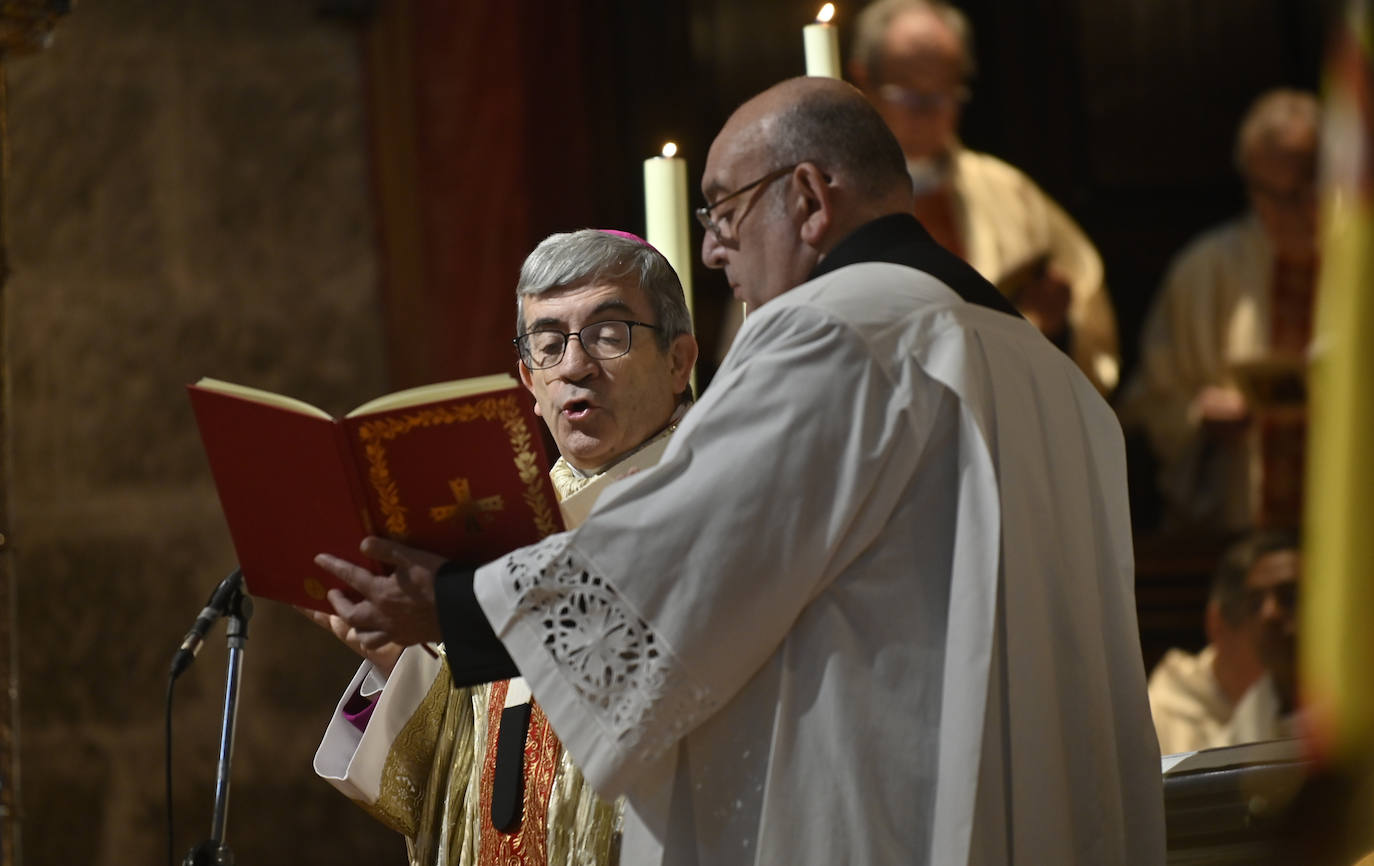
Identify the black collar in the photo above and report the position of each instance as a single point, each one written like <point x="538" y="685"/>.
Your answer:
<point x="900" y="239"/>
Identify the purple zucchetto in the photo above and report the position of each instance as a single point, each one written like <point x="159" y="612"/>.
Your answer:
<point x="629" y="237"/>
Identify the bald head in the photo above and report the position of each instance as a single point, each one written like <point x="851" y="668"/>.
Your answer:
<point x="913" y="59"/>
<point x="926" y="32"/>
<point x="825" y="164"/>
<point x="1281" y="124"/>
<point x="1276" y="151"/>
<point x="829" y="123"/>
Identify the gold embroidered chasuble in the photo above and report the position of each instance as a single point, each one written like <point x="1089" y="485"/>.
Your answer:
<point x="436" y="784"/>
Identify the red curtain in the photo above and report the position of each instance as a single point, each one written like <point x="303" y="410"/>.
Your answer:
<point x="480" y="125"/>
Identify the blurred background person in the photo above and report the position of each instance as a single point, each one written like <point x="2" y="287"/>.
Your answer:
<point x="914" y="60"/>
<point x="1239" y="296"/>
<point x="1241" y="687"/>
<point x="1271" y="594"/>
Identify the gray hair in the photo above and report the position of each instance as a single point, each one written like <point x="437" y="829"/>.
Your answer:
<point x="1228" y="584"/>
<point x="572" y="259"/>
<point x="1272" y="118"/>
<point x="870" y="29"/>
<point x="840" y="131"/>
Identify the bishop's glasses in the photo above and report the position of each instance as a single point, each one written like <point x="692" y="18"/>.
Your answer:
<point x="600" y="340"/>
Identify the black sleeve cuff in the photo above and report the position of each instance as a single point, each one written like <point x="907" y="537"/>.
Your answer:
<point x="475" y="655"/>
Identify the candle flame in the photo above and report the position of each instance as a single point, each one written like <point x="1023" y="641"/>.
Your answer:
<point x="827" y="12"/>
<point x="670" y="150"/>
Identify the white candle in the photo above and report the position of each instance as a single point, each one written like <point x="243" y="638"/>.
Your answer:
<point x="822" y="43"/>
<point x="666" y="212"/>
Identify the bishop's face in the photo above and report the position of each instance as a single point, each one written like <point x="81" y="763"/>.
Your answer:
<point x="598" y="410"/>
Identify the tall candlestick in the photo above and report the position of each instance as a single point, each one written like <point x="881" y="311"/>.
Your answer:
<point x="822" y="43"/>
<point x="666" y="212"/>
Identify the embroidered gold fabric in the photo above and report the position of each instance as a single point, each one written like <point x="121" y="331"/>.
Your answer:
<point x="407" y="765"/>
<point x="440" y="833"/>
<point x="528" y="844"/>
<point x="436" y="786"/>
<point x="446" y="753"/>
<point x="565" y="479"/>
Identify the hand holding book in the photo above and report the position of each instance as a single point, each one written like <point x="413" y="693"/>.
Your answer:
<point x="383" y="658"/>
<point x="456" y="468"/>
<point x="399" y="607"/>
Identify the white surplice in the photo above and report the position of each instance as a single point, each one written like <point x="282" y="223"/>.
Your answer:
<point x="1005" y="221"/>
<point x="875" y="605"/>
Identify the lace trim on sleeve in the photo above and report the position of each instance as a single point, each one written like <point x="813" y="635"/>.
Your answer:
<point x="614" y="659"/>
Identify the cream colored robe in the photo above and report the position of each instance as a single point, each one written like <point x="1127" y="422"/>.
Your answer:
<point x="1006" y="222"/>
<point x="418" y="765"/>
<point x="1212" y="312"/>
<point x="1191" y="712"/>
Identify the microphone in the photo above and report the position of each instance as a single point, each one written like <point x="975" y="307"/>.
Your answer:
<point x="216" y="607"/>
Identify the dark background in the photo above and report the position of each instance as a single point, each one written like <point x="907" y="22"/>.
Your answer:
<point x="1123" y="110"/>
<point x="332" y="199"/>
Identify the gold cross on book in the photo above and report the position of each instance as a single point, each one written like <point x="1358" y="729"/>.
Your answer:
<point x="471" y="512"/>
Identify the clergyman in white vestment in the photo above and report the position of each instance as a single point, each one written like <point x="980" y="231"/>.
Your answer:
<point x="875" y="603"/>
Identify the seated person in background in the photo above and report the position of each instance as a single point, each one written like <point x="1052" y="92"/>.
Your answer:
<point x="1240" y="688"/>
<point x="913" y="60"/>
<point x="1241" y="292"/>
<point x="1271" y="594"/>
<point x="606" y="347"/>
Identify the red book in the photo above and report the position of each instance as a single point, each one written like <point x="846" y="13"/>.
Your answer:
<point x="457" y="468"/>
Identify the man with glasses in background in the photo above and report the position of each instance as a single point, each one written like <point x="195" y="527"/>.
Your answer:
<point x="914" y="60"/>
<point x="474" y="774"/>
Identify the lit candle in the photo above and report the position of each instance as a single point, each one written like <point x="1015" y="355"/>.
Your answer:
<point x="822" y="42"/>
<point x="666" y="211"/>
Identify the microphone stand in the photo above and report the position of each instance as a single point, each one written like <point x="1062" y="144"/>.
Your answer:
<point x="213" y="851"/>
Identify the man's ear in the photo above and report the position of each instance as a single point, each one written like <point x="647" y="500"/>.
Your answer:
<point x="682" y="356"/>
<point x="814" y="205"/>
<point x="527" y="379"/>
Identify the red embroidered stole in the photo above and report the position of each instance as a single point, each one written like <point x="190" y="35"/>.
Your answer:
<point x="528" y="844"/>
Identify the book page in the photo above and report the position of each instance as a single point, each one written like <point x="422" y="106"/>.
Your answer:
<point x="288" y="490"/>
<point x="257" y="395"/>
<point x="434" y="393"/>
<point x="1271" y="380"/>
<point x="1014" y="281"/>
<point x="1263" y="752"/>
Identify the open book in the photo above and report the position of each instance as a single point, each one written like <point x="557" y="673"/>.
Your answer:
<point x="1018" y="279"/>
<point x="457" y="468"/>
<point x="1271" y="381"/>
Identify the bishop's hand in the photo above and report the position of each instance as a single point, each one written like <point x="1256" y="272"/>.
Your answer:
<point x="383" y="658"/>
<point x="395" y="608"/>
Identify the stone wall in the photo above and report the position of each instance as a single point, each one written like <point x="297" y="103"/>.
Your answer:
<point x="189" y="196"/>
